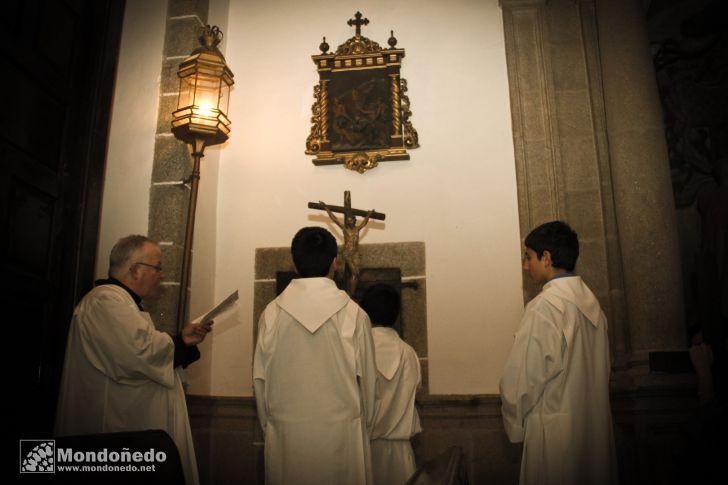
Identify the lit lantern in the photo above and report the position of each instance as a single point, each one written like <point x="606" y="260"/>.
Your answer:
<point x="200" y="120"/>
<point x="204" y="91"/>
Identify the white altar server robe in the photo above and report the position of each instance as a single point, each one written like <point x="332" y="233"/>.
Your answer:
<point x="555" y="388"/>
<point x="314" y="377"/>
<point x="118" y="375"/>
<point x="396" y="419"/>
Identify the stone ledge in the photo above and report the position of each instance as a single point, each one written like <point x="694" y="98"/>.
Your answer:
<point x="486" y="405"/>
<point x="471" y="406"/>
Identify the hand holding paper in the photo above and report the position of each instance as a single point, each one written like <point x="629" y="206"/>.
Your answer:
<point x="195" y="333"/>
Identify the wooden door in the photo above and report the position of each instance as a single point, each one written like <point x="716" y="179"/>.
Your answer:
<point x="58" y="70"/>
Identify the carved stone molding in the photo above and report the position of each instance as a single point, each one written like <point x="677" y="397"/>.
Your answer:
<point x="559" y="132"/>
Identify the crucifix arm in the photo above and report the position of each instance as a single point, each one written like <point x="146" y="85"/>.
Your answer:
<point x="331" y="215"/>
<point x="366" y="219"/>
<point x="357" y="212"/>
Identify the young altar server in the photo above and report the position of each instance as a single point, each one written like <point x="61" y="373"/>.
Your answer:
<point x="314" y="374"/>
<point x="398" y="378"/>
<point x="555" y="386"/>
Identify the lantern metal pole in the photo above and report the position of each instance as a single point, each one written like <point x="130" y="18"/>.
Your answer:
<point x="198" y="148"/>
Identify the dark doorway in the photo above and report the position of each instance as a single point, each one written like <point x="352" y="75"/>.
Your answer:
<point x="59" y="65"/>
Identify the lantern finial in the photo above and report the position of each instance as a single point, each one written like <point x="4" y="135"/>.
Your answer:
<point x="210" y="37"/>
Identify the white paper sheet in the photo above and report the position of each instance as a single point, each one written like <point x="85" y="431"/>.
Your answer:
<point x="221" y="308"/>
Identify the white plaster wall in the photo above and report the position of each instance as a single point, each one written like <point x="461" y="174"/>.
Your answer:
<point x="457" y="193"/>
<point x="125" y="204"/>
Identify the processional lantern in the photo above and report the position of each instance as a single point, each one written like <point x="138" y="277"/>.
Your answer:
<point x="200" y="120"/>
<point x="204" y="92"/>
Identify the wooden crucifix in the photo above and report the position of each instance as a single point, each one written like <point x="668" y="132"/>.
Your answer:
<point x="351" y="235"/>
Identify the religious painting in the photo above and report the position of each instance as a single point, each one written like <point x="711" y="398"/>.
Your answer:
<point x="361" y="114"/>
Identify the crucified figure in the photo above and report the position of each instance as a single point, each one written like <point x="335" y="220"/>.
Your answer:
<point x="351" y="230"/>
<point x="352" y="259"/>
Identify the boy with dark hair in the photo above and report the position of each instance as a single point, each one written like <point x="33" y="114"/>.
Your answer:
<point x="555" y="386"/>
<point x="559" y="240"/>
<point x="398" y="378"/>
<point x="314" y="374"/>
<point x="313" y="249"/>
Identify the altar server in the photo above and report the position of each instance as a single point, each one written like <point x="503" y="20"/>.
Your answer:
<point x="555" y="386"/>
<point x="314" y="374"/>
<point x="398" y="378"/>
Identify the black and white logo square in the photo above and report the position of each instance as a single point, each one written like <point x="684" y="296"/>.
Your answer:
<point x="37" y="456"/>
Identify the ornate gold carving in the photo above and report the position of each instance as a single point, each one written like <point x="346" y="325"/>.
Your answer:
<point x="361" y="116"/>
<point x="313" y="142"/>
<point x="324" y="110"/>
<point x="361" y="161"/>
<point x="411" y="139"/>
<point x="396" y="126"/>
<point x="358" y="45"/>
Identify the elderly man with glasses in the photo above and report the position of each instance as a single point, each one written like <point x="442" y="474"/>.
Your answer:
<point x="120" y="373"/>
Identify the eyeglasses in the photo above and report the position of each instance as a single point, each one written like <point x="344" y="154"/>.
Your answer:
<point x="158" y="268"/>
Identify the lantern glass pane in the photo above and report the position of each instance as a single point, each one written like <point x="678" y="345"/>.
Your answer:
<point x="224" y="97"/>
<point x="186" y="91"/>
<point x="207" y="94"/>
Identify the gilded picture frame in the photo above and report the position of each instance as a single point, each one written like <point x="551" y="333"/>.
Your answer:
<point x="361" y="114"/>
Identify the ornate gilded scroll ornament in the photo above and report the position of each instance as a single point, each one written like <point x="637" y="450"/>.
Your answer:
<point x="361" y="116"/>
<point x="358" y="45"/>
<point x="313" y="142"/>
<point x="411" y="139"/>
<point x="362" y="161"/>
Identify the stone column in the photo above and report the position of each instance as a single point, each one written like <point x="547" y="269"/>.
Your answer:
<point x="560" y="141"/>
<point x="640" y="175"/>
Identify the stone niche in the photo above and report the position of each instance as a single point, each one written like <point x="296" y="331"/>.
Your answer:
<point x="377" y="261"/>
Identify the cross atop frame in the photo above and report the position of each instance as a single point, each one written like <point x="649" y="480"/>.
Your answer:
<point x="358" y="21"/>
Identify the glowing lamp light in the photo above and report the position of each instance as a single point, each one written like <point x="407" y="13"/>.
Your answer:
<point x="204" y="92"/>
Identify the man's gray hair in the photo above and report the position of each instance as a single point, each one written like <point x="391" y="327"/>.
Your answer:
<point x="124" y="250"/>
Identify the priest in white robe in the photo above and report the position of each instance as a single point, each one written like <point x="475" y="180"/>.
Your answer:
<point x="398" y="378"/>
<point x="555" y="386"/>
<point x="120" y="373"/>
<point x="314" y="375"/>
